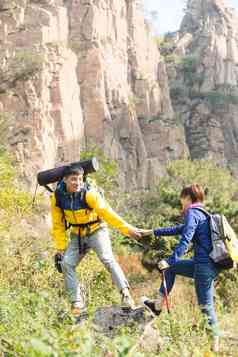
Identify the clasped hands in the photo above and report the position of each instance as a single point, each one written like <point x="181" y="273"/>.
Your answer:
<point x="138" y="233"/>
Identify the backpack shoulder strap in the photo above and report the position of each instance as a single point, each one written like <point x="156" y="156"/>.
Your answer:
<point x="208" y="215"/>
<point x="57" y="204"/>
<point x="57" y="199"/>
<point x="202" y="210"/>
<point x="83" y="196"/>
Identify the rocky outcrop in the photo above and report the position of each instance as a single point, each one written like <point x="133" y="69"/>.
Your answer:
<point x="40" y="94"/>
<point x="107" y="320"/>
<point x="203" y="70"/>
<point x="75" y="73"/>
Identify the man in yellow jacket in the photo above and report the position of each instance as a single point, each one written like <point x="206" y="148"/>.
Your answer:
<point x="87" y="214"/>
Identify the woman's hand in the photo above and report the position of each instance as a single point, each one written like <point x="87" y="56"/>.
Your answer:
<point x="163" y="265"/>
<point x="134" y="233"/>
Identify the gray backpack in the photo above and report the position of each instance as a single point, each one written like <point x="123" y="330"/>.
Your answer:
<point x="224" y="251"/>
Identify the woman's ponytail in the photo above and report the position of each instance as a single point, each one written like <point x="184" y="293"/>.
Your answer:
<point x="194" y="191"/>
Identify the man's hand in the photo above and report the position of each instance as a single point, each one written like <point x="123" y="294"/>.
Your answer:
<point x="146" y="232"/>
<point x="163" y="265"/>
<point x="134" y="232"/>
<point x="60" y="252"/>
<point x="58" y="261"/>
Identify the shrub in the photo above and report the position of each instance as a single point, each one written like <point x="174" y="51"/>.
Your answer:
<point x="166" y="46"/>
<point x="22" y="66"/>
<point x="106" y="176"/>
<point x="12" y="198"/>
<point x="221" y="96"/>
<point x="179" y="91"/>
<point x="172" y="58"/>
<point x="189" y="62"/>
<point x="26" y="64"/>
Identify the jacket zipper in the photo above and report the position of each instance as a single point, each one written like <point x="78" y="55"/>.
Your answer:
<point x="72" y="208"/>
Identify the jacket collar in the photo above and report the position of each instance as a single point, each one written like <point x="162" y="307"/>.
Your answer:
<point x="193" y="205"/>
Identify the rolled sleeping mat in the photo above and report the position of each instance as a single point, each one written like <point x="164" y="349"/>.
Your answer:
<point x="56" y="174"/>
<point x="89" y="166"/>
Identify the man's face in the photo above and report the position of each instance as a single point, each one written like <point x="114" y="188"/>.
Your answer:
<point x="74" y="183"/>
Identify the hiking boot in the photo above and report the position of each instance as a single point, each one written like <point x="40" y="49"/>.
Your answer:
<point x="215" y="344"/>
<point x="78" y="310"/>
<point x="151" y="305"/>
<point x="127" y="300"/>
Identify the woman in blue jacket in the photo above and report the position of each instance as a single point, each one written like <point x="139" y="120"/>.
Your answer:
<point x="201" y="268"/>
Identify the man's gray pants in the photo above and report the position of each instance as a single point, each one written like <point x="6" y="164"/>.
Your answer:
<point x="101" y="244"/>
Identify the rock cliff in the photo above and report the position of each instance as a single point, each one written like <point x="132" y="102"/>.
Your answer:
<point x="76" y="73"/>
<point x="202" y="62"/>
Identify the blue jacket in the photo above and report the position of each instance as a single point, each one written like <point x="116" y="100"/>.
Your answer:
<point x="195" y="229"/>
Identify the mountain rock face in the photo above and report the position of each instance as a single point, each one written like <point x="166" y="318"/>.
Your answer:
<point x="203" y="71"/>
<point x="39" y="91"/>
<point x="77" y="73"/>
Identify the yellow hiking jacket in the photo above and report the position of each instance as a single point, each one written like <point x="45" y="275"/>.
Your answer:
<point x="96" y="209"/>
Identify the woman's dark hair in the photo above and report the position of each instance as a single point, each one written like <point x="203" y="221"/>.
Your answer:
<point x="195" y="192"/>
<point x="73" y="170"/>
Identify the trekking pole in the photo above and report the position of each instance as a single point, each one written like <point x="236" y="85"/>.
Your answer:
<point x="34" y="197"/>
<point x="165" y="291"/>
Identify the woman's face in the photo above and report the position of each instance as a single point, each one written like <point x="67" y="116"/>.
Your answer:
<point x="185" y="202"/>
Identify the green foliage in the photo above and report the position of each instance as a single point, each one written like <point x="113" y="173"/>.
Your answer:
<point x="216" y="98"/>
<point x="26" y="64"/>
<point x="166" y="46"/>
<point x="108" y="170"/>
<point x="34" y="315"/>
<point x="22" y="66"/>
<point x="179" y="91"/>
<point x="193" y="79"/>
<point x="35" y="320"/>
<point x="222" y="96"/>
<point x="12" y="198"/>
<point x="172" y="58"/>
<point x="189" y="62"/>
<point x="188" y="65"/>
<point x="7" y="171"/>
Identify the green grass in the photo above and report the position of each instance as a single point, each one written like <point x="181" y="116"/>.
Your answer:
<point x="35" y="319"/>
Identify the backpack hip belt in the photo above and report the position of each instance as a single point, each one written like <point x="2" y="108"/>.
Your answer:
<point x="81" y="247"/>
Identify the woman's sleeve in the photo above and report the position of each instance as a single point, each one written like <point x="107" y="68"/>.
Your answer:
<point x="170" y="231"/>
<point x="190" y="225"/>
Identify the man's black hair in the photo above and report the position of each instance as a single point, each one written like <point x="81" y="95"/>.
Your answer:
<point x="73" y="170"/>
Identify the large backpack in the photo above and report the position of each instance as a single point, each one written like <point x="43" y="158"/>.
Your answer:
<point x="224" y="251"/>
